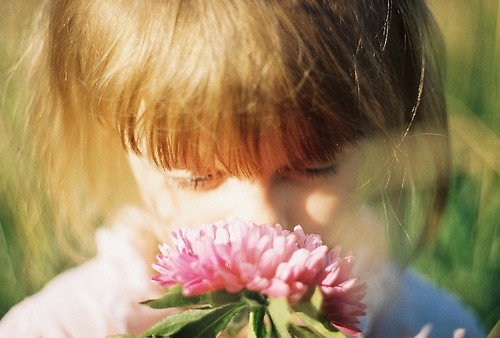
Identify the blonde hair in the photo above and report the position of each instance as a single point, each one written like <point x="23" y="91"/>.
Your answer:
<point x="190" y="83"/>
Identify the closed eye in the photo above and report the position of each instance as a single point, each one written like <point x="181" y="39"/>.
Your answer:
<point x="329" y="170"/>
<point x="185" y="180"/>
<point x="311" y="172"/>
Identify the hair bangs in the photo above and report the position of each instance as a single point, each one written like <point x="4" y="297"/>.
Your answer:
<point x="244" y="111"/>
<point x="198" y="75"/>
<point x="177" y="91"/>
<point x="241" y="144"/>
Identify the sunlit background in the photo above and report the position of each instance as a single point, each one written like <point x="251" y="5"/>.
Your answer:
<point x="465" y="257"/>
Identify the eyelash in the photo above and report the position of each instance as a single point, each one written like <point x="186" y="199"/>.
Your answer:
<point x="313" y="173"/>
<point x="209" y="181"/>
<point x="194" y="183"/>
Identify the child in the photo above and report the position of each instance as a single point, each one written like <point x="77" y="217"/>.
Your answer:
<point x="328" y="114"/>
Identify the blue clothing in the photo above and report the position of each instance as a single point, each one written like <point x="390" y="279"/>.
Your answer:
<point x="418" y="304"/>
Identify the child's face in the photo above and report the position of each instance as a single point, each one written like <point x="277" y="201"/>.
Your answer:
<point x="319" y="196"/>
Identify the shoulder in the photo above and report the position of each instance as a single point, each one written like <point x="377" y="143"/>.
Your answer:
<point x="56" y="310"/>
<point x="420" y="307"/>
<point x="95" y="299"/>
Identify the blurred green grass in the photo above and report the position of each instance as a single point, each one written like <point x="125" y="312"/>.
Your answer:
<point x="464" y="258"/>
<point x="29" y="255"/>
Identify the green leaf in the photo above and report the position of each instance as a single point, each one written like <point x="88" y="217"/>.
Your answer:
<point x="256" y="325"/>
<point x="214" y="322"/>
<point x="238" y="323"/>
<point x="222" y="297"/>
<point x="317" y="300"/>
<point x="280" y="316"/>
<point x="255" y="298"/>
<point x="312" y="306"/>
<point x="315" y="325"/>
<point x="308" y="309"/>
<point x="272" y="332"/>
<point x="302" y="332"/>
<point x="174" y="298"/>
<point x="175" y="322"/>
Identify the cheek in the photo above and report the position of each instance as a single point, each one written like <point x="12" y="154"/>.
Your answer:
<point x="342" y="221"/>
<point x="327" y="204"/>
<point x="156" y="197"/>
<point x="197" y="209"/>
<point x="321" y="208"/>
<point x="328" y="214"/>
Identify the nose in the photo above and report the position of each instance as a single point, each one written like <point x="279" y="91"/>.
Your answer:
<point x="257" y="201"/>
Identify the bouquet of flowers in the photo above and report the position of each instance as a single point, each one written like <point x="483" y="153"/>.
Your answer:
<point x="239" y="277"/>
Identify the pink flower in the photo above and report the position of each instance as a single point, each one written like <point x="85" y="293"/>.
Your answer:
<point x="265" y="258"/>
<point x="342" y="295"/>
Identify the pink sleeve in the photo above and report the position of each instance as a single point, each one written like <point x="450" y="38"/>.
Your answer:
<point x="99" y="298"/>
